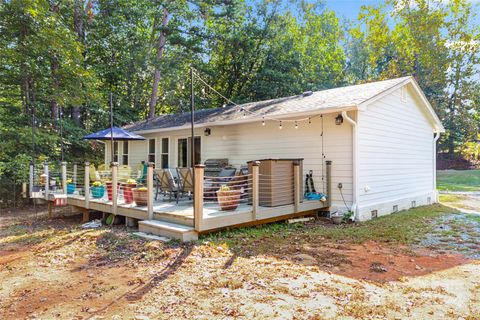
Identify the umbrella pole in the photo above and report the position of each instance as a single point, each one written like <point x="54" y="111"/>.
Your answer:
<point x="111" y="128"/>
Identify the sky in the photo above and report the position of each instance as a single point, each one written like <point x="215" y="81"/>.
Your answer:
<point x="349" y="8"/>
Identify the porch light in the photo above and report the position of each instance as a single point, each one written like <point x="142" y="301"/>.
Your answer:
<point x="296" y="125"/>
<point x="339" y="120"/>
<point x="263" y="121"/>
<point x="207" y="132"/>
<point x="280" y="126"/>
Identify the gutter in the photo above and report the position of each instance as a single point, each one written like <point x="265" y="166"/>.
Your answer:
<point x="434" y="175"/>
<point x="354" y="165"/>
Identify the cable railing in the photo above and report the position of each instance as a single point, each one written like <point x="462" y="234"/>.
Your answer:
<point x="227" y="193"/>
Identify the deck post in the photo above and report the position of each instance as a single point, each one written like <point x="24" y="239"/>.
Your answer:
<point x="198" y="196"/>
<point x="329" y="183"/>
<point x="30" y="187"/>
<point x="255" y="187"/>
<point x="64" y="177"/>
<point x="114" y="167"/>
<point x="47" y="179"/>
<point x="86" y="185"/>
<point x="150" y="190"/>
<point x="296" y="186"/>
<point x="75" y="173"/>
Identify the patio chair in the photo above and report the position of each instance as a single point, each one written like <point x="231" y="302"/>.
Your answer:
<point x="141" y="172"/>
<point x="124" y="172"/>
<point x="185" y="178"/>
<point x="165" y="184"/>
<point x="94" y="176"/>
<point x="212" y="185"/>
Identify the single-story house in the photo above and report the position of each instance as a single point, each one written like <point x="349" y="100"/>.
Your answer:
<point x="380" y="136"/>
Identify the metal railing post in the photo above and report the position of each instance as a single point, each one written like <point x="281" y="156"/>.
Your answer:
<point x="296" y="186"/>
<point x="64" y="177"/>
<point x="255" y="187"/>
<point x="47" y="179"/>
<point x="150" y="190"/>
<point x="114" y="167"/>
<point x="198" y="196"/>
<point x="86" y="185"/>
<point x="30" y="187"/>
<point x="329" y="183"/>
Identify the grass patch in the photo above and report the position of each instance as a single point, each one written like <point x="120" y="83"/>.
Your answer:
<point x="404" y="227"/>
<point x="458" y="180"/>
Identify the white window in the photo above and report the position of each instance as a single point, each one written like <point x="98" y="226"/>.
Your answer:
<point x="164" y="153"/>
<point x="115" y="151"/>
<point x="151" y="150"/>
<point x="125" y="153"/>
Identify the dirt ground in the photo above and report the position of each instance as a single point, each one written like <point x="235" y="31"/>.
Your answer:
<point x="52" y="269"/>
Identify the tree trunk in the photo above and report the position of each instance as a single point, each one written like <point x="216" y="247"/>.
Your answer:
<point x="78" y="24"/>
<point x="156" y="76"/>
<point x="53" y="102"/>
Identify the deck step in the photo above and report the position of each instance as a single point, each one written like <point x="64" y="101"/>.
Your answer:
<point x="167" y="229"/>
<point x="173" y="218"/>
<point x="151" y="236"/>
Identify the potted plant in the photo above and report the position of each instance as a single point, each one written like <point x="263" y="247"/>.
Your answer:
<point x="109" y="190"/>
<point x="98" y="190"/>
<point x="127" y="190"/>
<point x="228" y="199"/>
<point x="70" y="186"/>
<point x="140" y="196"/>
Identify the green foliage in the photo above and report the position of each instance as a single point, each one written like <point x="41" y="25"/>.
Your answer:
<point x="60" y="60"/>
<point x="458" y="180"/>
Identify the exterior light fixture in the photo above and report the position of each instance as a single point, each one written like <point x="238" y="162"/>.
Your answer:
<point x="296" y="125"/>
<point x="263" y="121"/>
<point x="207" y="132"/>
<point x="339" y="120"/>
<point x="280" y="126"/>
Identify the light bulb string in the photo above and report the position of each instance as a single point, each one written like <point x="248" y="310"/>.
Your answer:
<point x="264" y="117"/>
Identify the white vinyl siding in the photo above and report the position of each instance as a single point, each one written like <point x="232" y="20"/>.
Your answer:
<point x="245" y="142"/>
<point x="395" y="148"/>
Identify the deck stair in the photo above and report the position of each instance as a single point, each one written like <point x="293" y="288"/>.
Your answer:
<point x="162" y="228"/>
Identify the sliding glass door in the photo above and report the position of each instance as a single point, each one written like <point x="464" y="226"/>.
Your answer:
<point x="183" y="151"/>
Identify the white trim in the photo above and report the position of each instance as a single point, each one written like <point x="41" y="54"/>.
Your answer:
<point x="435" y="139"/>
<point x="160" y="149"/>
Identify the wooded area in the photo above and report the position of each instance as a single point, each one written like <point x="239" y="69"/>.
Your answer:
<point x="61" y="59"/>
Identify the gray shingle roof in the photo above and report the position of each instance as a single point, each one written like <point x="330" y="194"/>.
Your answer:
<point x="349" y="96"/>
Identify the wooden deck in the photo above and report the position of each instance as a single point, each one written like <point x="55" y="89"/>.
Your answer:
<point x="213" y="217"/>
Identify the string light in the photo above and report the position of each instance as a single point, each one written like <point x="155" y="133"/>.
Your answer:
<point x="244" y="111"/>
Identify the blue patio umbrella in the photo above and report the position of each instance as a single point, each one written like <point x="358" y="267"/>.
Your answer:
<point x="116" y="133"/>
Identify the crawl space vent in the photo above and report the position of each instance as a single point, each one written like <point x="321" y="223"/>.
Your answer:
<point x="374" y="214"/>
<point x="395" y="208"/>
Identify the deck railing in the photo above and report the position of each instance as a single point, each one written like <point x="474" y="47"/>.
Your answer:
<point x="251" y="192"/>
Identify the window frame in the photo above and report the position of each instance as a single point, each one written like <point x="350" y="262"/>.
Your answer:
<point x="127" y="155"/>
<point x="162" y="153"/>
<point x="154" y="154"/>
<point x="116" y="154"/>
<point x="188" y="139"/>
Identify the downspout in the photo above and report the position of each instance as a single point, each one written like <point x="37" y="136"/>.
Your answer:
<point x="354" y="164"/>
<point x="434" y="175"/>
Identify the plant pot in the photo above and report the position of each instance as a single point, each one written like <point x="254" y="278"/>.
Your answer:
<point x="98" y="192"/>
<point x="337" y="219"/>
<point x="127" y="192"/>
<point x="228" y="200"/>
<point x="140" y="196"/>
<point x="70" y="188"/>
<point x="109" y="190"/>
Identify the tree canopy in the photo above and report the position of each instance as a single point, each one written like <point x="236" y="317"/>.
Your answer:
<point x="59" y="61"/>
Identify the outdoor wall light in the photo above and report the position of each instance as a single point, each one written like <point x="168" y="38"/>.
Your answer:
<point x="207" y="132"/>
<point x="339" y="120"/>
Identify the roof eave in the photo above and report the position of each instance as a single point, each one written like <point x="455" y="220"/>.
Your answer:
<point x="250" y="120"/>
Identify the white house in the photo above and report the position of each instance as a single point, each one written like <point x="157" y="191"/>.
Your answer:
<point x="381" y="137"/>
